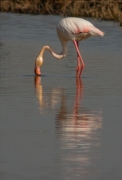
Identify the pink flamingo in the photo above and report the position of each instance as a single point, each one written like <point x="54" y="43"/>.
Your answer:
<point x="71" y="28"/>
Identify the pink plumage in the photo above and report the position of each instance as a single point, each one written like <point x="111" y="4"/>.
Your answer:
<point x="73" y="28"/>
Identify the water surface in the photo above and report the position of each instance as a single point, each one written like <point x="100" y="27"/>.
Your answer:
<point x="58" y="127"/>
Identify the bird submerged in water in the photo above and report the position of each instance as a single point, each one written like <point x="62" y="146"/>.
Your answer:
<point x="74" y="29"/>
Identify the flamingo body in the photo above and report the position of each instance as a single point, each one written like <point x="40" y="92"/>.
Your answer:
<point x="74" y="29"/>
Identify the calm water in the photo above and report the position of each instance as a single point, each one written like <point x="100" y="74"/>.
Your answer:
<point x="58" y="127"/>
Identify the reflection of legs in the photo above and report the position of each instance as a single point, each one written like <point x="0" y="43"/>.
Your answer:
<point x="79" y="90"/>
<point x="80" y="63"/>
<point x="78" y="97"/>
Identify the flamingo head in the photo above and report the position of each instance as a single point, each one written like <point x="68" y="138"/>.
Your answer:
<point x="38" y="64"/>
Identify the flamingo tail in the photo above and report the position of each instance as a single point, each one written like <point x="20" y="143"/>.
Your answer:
<point x="96" y="32"/>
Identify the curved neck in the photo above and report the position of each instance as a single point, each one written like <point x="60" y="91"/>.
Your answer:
<point x="58" y="56"/>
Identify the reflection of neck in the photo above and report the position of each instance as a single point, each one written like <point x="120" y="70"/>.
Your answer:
<point x="39" y="90"/>
<point x="37" y="81"/>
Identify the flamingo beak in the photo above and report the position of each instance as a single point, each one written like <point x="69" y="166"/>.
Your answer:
<point x="37" y="70"/>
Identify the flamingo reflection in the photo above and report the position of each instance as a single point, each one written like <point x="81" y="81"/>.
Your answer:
<point x="73" y="116"/>
<point x="77" y="128"/>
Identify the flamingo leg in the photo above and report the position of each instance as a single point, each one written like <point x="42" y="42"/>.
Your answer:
<point x="80" y="63"/>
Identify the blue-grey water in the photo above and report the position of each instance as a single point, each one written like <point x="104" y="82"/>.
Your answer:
<point x="58" y="127"/>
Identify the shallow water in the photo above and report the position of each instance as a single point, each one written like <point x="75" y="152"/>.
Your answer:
<point x="58" y="127"/>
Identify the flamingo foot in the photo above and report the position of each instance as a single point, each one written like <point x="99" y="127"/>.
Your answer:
<point x="79" y="70"/>
<point x="82" y="67"/>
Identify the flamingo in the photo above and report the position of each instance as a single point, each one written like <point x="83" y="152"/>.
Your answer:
<point x="74" y="29"/>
